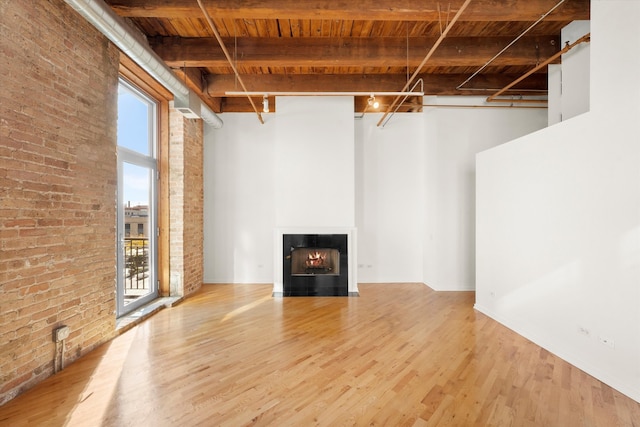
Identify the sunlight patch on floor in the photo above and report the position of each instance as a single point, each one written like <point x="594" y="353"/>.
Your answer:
<point x="244" y="308"/>
<point x="98" y="394"/>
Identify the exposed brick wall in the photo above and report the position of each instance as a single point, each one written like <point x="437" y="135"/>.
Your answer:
<point x="58" y="94"/>
<point x="194" y="216"/>
<point x="176" y="200"/>
<point x="186" y="189"/>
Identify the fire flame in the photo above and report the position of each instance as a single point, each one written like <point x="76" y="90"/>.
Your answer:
<point x="315" y="259"/>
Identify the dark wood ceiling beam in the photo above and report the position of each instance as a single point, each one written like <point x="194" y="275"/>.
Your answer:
<point x="192" y="77"/>
<point x="356" y="52"/>
<point x="434" y="84"/>
<point x="378" y="10"/>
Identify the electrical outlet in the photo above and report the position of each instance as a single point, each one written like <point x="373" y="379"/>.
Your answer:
<point x="61" y="333"/>
<point x="607" y="341"/>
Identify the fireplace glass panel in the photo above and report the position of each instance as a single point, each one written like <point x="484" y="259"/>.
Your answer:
<point x="313" y="261"/>
<point x="315" y="265"/>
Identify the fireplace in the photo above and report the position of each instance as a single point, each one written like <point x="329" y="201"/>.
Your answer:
<point x="315" y="265"/>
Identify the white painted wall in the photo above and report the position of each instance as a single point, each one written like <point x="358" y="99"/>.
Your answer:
<point x="314" y="155"/>
<point x="558" y="218"/>
<point x="412" y="183"/>
<point x="454" y="136"/>
<point x="390" y="198"/>
<point x="569" y="82"/>
<point x="575" y="71"/>
<point x="314" y="173"/>
<point x="554" y="93"/>
<point x="239" y="200"/>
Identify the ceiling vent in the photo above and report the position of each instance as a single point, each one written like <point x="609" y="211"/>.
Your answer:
<point x="188" y="106"/>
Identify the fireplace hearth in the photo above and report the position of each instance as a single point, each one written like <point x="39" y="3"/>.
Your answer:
<point x="315" y="265"/>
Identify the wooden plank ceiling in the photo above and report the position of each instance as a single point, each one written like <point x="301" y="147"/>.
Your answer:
<point x="351" y="46"/>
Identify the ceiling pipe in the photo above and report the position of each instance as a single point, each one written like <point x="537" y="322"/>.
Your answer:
<point x="459" y="87"/>
<point x="544" y="107"/>
<point x="567" y="48"/>
<point x="367" y="94"/>
<point x="419" y="82"/>
<point x="135" y="46"/>
<point x="228" y="56"/>
<point x="443" y="35"/>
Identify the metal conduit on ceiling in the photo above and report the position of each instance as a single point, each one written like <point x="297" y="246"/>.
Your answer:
<point x="134" y="45"/>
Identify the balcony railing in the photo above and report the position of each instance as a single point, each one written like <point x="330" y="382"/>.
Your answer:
<point x="136" y="255"/>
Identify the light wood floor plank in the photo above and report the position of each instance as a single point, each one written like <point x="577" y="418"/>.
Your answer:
<point x="400" y="354"/>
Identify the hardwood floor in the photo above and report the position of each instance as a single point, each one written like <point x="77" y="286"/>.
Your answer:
<point x="398" y="355"/>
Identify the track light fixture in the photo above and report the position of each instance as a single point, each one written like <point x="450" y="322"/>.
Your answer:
<point x="372" y="102"/>
<point x="265" y="104"/>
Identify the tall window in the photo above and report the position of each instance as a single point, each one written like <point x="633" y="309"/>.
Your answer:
<point x="137" y="198"/>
